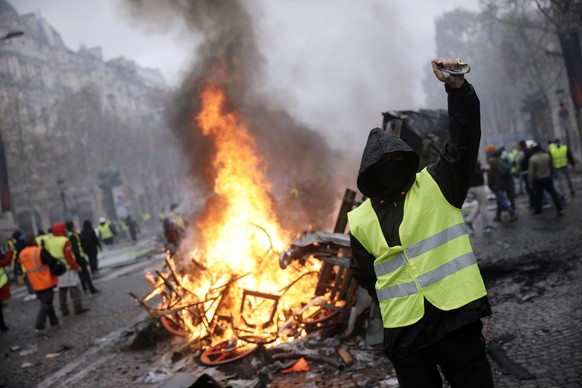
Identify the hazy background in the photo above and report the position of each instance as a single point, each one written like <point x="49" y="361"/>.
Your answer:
<point x="334" y="64"/>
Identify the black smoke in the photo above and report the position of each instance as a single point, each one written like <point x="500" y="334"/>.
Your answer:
<point x="301" y="166"/>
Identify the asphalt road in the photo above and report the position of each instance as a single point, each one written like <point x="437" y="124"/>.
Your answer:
<point x="532" y="268"/>
<point x="30" y="359"/>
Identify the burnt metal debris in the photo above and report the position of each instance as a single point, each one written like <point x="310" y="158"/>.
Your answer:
<point x="334" y="296"/>
<point x="426" y="131"/>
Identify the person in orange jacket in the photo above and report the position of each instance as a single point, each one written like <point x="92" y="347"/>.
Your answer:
<point x="36" y="260"/>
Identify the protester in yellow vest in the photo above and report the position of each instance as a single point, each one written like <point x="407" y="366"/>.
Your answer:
<point x="174" y="228"/>
<point x="60" y="248"/>
<point x="4" y="289"/>
<point x="80" y="258"/>
<point x="36" y="260"/>
<point x="13" y="248"/>
<point x="41" y="237"/>
<point x="561" y="157"/>
<point x="411" y="252"/>
<point x="105" y="231"/>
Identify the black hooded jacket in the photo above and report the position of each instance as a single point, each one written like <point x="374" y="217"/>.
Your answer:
<point x="453" y="174"/>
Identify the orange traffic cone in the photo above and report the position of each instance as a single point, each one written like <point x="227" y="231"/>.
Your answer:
<point x="300" y="366"/>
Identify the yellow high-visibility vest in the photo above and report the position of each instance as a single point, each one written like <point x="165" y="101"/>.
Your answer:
<point x="559" y="155"/>
<point x="56" y="247"/>
<point x="105" y="230"/>
<point x="434" y="261"/>
<point x="79" y="246"/>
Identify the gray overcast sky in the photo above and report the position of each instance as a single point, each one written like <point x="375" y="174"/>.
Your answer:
<point x="334" y="64"/>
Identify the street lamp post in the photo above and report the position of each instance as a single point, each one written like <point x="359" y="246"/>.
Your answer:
<point x="61" y="185"/>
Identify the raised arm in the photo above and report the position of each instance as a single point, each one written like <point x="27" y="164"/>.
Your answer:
<point x="454" y="169"/>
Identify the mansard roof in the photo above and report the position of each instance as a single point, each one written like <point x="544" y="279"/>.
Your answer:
<point x="5" y="6"/>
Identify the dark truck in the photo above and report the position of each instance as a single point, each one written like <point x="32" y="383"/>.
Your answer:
<point x="425" y="130"/>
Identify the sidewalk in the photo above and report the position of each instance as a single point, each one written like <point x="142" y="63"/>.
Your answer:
<point x="127" y="253"/>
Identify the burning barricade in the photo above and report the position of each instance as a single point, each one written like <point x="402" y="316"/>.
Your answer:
<point x="243" y="286"/>
<point x="234" y="291"/>
<point x="227" y="317"/>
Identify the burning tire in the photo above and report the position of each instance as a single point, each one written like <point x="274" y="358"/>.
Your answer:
<point x="172" y="326"/>
<point x="227" y="351"/>
<point x="321" y="315"/>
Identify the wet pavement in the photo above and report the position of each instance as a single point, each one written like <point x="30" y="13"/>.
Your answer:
<point x="532" y="268"/>
<point x="30" y="359"/>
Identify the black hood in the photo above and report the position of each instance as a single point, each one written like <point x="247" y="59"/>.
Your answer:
<point x="371" y="180"/>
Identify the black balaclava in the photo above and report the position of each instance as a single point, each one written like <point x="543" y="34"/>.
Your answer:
<point x="388" y="166"/>
<point x="391" y="178"/>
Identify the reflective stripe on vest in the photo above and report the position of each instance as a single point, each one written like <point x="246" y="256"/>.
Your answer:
<point x="435" y="260"/>
<point x="56" y="247"/>
<point x="423" y="247"/>
<point x="38" y="274"/>
<point x="10" y="246"/>
<point x="79" y="246"/>
<point x="3" y="277"/>
<point x="559" y="155"/>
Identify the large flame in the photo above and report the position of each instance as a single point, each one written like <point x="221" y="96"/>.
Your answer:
<point x="240" y="227"/>
<point x="237" y="240"/>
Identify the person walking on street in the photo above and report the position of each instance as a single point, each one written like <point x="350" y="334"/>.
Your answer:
<point x="411" y="252"/>
<point x="497" y="172"/>
<point x="522" y="163"/>
<point x="509" y="183"/>
<point x="540" y="178"/>
<point x="4" y="289"/>
<point x="36" y="260"/>
<point x="91" y="245"/>
<point x="106" y="233"/>
<point x="14" y="247"/>
<point x="79" y="254"/>
<point x="133" y="228"/>
<point x="478" y="190"/>
<point x="60" y="248"/>
<point x="561" y="157"/>
<point x="174" y="228"/>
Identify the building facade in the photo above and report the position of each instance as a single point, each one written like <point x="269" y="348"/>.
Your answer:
<point x="69" y="120"/>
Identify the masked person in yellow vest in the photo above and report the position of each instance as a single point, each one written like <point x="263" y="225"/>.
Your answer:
<point x="106" y="233"/>
<point x="561" y="157"/>
<point x="411" y="252"/>
<point x="4" y="289"/>
<point x="60" y="248"/>
<point x="80" y="258"/>
<point x="36" y="261"/>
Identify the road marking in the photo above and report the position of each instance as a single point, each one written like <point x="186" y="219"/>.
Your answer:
<point x="60" y="377"/>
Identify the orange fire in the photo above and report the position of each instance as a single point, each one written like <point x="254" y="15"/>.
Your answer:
<point x="231" y="229"/>
<point x="238" y="240"/>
